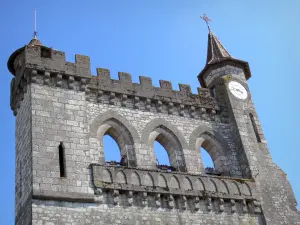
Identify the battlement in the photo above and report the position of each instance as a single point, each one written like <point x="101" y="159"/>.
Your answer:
<point x="46" y="66"/>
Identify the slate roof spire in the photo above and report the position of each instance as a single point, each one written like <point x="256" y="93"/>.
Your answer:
<point x="218" y="56"/>
<point x="215" y="50"/>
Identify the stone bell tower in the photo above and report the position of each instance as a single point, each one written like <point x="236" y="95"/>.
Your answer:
<point x="63" y="111"/>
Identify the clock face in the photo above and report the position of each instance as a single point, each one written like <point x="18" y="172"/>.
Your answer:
<point x="237" y="90"/>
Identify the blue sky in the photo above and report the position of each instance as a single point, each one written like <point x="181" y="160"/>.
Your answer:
<point x="165" y="40"/>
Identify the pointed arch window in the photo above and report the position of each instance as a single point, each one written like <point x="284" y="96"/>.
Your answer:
<point x="113" y="135"/>
<point x="208" y="163"/>
<point x="162" y="157"/>
<point x="172" y="159"/>
<point x="254" y="128"/>
<point x="213" y="157"/>
<point x="112" y="151"/>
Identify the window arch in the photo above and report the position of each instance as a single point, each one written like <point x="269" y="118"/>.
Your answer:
<point x="228" y="157"/>
<point x="162" y="157"/>
<point x="207" y="161"/>
<point x="216" y="152"/>
<point x="111" y="149"/>
<point x="170" y="138"/>
<point x="171" y="144"/>
<point x="117" y="131"/>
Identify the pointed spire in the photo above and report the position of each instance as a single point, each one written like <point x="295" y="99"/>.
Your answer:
<point x="218" y="56"/>
<point x="215" y="50"/>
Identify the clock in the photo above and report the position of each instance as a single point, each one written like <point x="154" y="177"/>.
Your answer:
<point x="237" y="90"/>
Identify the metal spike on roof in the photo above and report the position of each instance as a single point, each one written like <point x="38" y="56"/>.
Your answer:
<point x="35" y="40"/>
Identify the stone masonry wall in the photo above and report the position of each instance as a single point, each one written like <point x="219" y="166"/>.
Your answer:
<point x="67" y="213"/>
<point x="23" y="183"/>
<point x="60" y="115"/>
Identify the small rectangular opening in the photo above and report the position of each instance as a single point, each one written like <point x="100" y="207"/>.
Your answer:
<point x="255" y="128"/>
<point x="61" y="154"/>
<point x="45" y="52"/>
<point x="213" y="91"/>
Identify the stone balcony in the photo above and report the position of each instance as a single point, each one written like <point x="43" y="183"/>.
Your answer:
<point x="121" y="185"/>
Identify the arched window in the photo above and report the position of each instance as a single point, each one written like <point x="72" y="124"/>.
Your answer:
<point x="171" y="144"/>
<point x="213" y="158"/>
<point x="114" y="129"/>
<point x="161" y="154"/>
<point x="206" y="159"/>
<point x="111" y="149"/>
<point x="254" y="128"/>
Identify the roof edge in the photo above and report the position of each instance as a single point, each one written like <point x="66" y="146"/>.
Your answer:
<point x="245" y="65"/>
<point x="10" y="62"/>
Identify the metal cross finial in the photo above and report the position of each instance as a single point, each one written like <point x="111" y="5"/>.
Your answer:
<point x="206" y="19"/>
<point x="35" y="32"/>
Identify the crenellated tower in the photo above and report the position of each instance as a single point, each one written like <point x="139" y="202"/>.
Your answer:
<point x="63" y="111"/>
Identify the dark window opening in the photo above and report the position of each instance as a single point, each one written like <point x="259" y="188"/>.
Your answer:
<point x="61" y="154"/>
<point x="45" y="52"/>
<point x="213" y="91"/>
<point x="254" y="128"/>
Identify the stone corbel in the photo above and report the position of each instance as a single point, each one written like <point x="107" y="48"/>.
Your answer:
<point x="99" y="96"/>
<point x="148" y="104"/>
<point x="184" y="203"/>
<point x="71" y="82"/>
<point x="99" y="196"/>
<point x="159" y="106"/>
<point x="181" y="110"/>
<point x="221" y="205"/>
<point x="116" y="197"/>
<point x="171" y="202"/>
<point x="244" y="206"/>
<point x="192" y="111"/>
<point x="209" y="204"/>
<point x="33" y="76"/>
<point x="213" y="114"/>
<point x="47" y="78"/>
<point x="124" y="100"/>
<point x="171" y="108"/>
<point x="233" y="207"/>
<point x="136" y="102"/>
<point x="197" y="203"/>
<point x="112" y="97"/>
<point x="130" y="198"/>
<point x="145" y="199"/>
<point x="58" y="80"/>
<point x="158" y="200"/>
<point x="256" y="207"/>
<point x="83" y="83"/>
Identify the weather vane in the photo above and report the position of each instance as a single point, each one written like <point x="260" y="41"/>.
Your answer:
<point x="206" y="19"/>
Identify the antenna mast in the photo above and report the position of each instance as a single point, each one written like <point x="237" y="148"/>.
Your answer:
<point x="35" y="33"/>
